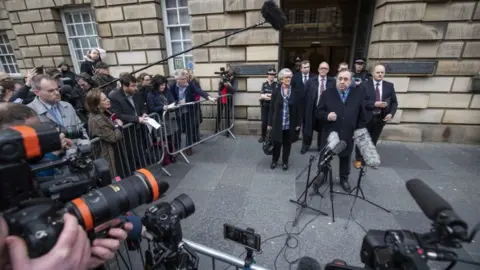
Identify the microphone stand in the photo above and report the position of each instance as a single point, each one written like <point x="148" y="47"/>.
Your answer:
<point x="191" y="49"/>
<point x="358" y="189"/>
<point x="302" y="199"/>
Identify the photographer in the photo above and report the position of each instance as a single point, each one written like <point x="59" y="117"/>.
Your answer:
<point x="13" y="94"/>
<point x="228" y="85"/>
<point x="73" y="249"/>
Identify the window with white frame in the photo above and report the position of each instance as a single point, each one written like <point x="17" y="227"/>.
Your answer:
<point x="7" y="58"/>
<point x="80" y="29"/>
<point x="178" y="35"/>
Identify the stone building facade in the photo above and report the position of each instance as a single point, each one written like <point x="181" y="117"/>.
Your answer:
<point x="440" y="106"/>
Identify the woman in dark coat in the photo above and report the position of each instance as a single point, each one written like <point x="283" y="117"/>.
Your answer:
<point x="91" y="59"/>
<point x="284" y="117"/>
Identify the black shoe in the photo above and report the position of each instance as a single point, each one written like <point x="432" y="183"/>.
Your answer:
<point x="274" y="165"/>
<point x="285" y="167"/>
<point x="345" y="186"/>
<point x="304" y="150"/>
<point x="261" y="140"/>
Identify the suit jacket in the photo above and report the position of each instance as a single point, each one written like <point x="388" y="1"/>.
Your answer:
<point x="297" y="81"/>
<point x="311" y="97"/>
<point x="388" y="95"/>
<point x="350" y="116"/>
<point x="275" y="114"/>
<point x="190" y="92"/>
<point x="122" y="107"/>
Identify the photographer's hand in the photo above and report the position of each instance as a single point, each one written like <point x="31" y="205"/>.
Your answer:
<point x="103" y="249"/>
<point x="72" y="250"/>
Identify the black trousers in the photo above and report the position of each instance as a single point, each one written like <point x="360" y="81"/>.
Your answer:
<point x="287" y="146"/>
<point x="374" y="127"/>
<point x="344" y="167"/>
<point x="307" y="139"/>
<point x="224" y="112"/>
<point x="264" y="114"/>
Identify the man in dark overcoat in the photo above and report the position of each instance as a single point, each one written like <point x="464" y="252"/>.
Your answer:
<point x="314" y="88"/>
<point x="343" y="110"/>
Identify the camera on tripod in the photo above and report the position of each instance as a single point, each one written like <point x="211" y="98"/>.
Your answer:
<point x="38" y="220"/>
<point x="224" y="75"/>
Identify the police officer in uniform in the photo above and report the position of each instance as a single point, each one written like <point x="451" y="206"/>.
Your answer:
<point x="265" y="96"/>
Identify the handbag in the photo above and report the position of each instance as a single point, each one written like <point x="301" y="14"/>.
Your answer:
<point x="268" y="144"/>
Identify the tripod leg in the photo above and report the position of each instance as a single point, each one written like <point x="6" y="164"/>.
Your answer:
<point x="330" y="181"/>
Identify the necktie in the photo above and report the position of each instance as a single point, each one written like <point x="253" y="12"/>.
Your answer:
<point x="304" y="78"/>
<point x="343" y="97"/>
<point x="55" y="114"/>
<point x="322" y="88"/>
<point x="377" y="92"/>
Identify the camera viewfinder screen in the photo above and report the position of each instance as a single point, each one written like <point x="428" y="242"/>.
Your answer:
<point x="242" y="237"/>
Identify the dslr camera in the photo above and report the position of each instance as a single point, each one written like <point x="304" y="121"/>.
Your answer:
<point x="29" y="211"/>
<point x="224" y="75"/>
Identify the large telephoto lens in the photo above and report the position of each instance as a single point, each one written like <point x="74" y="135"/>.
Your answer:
<point x="104" y="204"/>
<point x="71" y="132"/>
<point x="182" y="206"/>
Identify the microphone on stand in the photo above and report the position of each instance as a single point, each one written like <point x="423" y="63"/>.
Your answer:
<point x="368" y="150"/>
<point x="271" y="12"/>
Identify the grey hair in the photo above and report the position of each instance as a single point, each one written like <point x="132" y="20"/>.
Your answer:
<point x="180" y="73"/>
<point x="282" y="73"/>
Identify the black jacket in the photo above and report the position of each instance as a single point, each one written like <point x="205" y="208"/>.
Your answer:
<point x="275" y="114"/>
<point x="388" y="95"/>
<point x="88" y="66"/>
<point x="123" y="109"/>
<point x="311" y="97"/>
<point x="350" y="116"/>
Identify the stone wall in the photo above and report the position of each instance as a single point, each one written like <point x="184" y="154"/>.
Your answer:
<point x="132" y="33"/>
<point x="215" y="18"/>
<point x="440" y="107"/>
<point x="35" y="31"/>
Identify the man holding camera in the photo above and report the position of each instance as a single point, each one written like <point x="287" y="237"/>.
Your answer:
<point x="227" y="87"/>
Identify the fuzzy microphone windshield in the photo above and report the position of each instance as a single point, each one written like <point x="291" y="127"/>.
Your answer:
<point x="273" y="14"/>
<point x="307" y="263"/>
<point x="364" y="143"/>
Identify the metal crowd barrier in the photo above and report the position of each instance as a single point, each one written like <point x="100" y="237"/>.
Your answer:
<point x="183" y="124"/>
<point x="137" y="147"/>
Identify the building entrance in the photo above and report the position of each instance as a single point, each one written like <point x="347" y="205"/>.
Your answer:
<point x="334" y="31"/>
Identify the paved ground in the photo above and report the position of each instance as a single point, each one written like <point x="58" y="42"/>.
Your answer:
<point x="230" y="182"/>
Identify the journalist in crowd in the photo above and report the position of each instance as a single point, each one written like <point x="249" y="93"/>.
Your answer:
<point x="159" y="100"/>
<point x="226" y="90"/>
<point x="91" y="59"/>
<point x="51" y="109"/>
<point x="314" y="89"/>
<point x="108" y="130"/>
<point x="342" y="109"/>
<point x="284" y="117"/>
<point x="380" y="104"/>
<point x="9" y="91"/>
<point x="144" y="85"/>
<point x="184" y="92"/>
<point x="73" y="249"/>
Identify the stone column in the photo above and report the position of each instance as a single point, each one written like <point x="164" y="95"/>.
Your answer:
<point x="447" y="34"/>
<point x="38" y="31"/>
<point x="215" y="18"/>
<point x="132" y="33"/>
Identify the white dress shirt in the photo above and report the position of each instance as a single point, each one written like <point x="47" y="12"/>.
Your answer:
<point x="304" y="78"/>
<point x="320" y="87"/>
<point x="380" y="88"/>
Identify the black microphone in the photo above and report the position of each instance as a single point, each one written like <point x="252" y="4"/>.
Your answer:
<point x="272" y="13"/>
<point x="307" y="263"/>
<point x="436" y="208"/>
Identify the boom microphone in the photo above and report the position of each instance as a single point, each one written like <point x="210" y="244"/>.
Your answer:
<point x="364" y="143"/>
<point x="273" y="15"/>
<point x="436" y="208"/>
<point x="270" y="12"/>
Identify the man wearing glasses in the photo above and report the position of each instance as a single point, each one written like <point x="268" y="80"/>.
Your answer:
<point x="314" y="89"/>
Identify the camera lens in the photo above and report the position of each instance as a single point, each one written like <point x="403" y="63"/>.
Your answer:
<point x="104" y="204"/>
<point x="182" y="206"/>
<point x="71" y="132"/>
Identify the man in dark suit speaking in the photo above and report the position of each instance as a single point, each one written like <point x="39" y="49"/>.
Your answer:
<point x="343" y="110"/>
<point x="380" y="104"/>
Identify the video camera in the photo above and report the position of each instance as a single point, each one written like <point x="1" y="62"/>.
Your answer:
<point x="37" y="219"/>
<point x="224" y="75"/>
